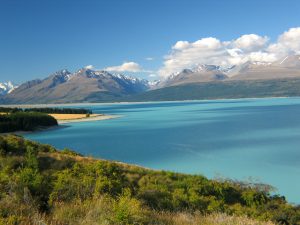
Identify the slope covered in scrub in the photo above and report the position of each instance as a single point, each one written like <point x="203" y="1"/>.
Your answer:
<point x="40" y="183"/>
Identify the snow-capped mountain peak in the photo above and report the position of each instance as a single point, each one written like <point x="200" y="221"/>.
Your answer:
<point x="7" y="87"/>
<point x="206" y="67"/>
<point x="261" y="63"/>
<point x="97" y="74"/>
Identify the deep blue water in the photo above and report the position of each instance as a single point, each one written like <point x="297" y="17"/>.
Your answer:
<point x="237" y="139"/>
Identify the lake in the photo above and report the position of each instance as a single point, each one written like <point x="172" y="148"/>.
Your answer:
<point x="245" y="139"/>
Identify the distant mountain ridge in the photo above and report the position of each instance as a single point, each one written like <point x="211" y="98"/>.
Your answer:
<point x="288" y="67"/>
<point x="250" y="79"/>
<point x="85" y="85"/>
<point x="200" y="73"/>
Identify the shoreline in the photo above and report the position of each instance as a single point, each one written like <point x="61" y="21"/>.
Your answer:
<point x="40" y="129"/>
<point x="134" y="102"/>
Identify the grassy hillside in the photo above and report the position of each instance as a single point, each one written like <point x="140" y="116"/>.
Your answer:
<point x="39" y="183"/>
<point x="223" y="89"/>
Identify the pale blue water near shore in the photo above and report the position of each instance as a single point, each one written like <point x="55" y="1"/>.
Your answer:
<point x="237" y="139"/>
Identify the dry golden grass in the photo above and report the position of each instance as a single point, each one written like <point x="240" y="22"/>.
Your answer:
<point x="100" y="212"/>
<point x="90" y="159"/>
<point x="72" y="116"/>
<point x="62" y="157"/>
<point x="182" y="218"/>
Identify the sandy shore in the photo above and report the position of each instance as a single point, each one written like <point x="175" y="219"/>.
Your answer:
<point x="93" y="117"/>
<point x="66" y="116"/>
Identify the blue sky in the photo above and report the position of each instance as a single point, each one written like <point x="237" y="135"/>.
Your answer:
<point x="39" y="37"/>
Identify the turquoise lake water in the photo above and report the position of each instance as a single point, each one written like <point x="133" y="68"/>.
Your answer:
<point x="237" y="139"/>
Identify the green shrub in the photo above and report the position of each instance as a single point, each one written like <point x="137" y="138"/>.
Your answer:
<point x="127" y="210"/>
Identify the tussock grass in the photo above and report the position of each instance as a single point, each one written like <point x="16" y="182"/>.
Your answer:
<point x="126" y="210"/>
<point x="184" y="218"/>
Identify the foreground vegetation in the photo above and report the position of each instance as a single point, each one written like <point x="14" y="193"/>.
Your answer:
<point x="40" y="185"/>
<point x="25" y="121"/>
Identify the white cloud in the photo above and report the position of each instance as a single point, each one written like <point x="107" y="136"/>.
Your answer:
<point x="288" y="43"/>
<point x="211" y="50"/>
<point x="90" y="67"/>
<point x="149" y="58"/>
<point x="186" y="54"/>
<point x="152" y="75"/>
<point x="207" y="43"/>
<point x="125" y="67"/>
<point x="181" y="45"/>
<point x="250" y="42"/>
<point x="262" y="56"/>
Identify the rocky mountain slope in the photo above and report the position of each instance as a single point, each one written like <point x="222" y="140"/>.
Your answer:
<point x="201" y="73"/>
<point x="85" y="85"/>
<point x="288" y="67"/>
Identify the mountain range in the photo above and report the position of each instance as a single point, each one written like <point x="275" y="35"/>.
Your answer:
<point x="288" y="67"/>
<point x="84" y="85"/>
<point x="250" y="79"/>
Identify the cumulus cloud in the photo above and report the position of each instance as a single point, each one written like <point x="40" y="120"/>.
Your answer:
<point x="90" y="67"/>
<point x="288" y="43"/>
<point x="250" y="42"/>
<point x="125" y="67"/>
<point x="181" y="45"/>
<point x="253" y="47"/>
<point x="205" y="51"/>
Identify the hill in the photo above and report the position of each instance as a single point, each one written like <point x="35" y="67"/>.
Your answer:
<point x="288" y="87"/>
<point x="41" y="184"/>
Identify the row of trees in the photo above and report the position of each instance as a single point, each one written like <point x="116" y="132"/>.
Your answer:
<point x="66" y="188"/>
<point x="47" y="110"/>
<point x="10" y="110"/>
<point x="59" y="110"/>
<point x="25" y="121"/>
